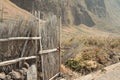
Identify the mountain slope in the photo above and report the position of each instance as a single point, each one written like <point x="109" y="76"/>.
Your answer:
<point x="112" y="20"/>
<point x="11" y="11"/>
<point x="102" y="14"/>
<point x="113" y="9"/>
<point x="71" y="11"/>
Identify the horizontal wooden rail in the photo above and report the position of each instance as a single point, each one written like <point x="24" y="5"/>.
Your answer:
<point x="16" y="60"/>
<point x="48" y="51"/>
<point x="20" y="38"/>
<point x="4" y="63"/>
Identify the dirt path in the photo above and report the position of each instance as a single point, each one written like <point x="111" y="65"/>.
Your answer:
<point x="109" y="73"/>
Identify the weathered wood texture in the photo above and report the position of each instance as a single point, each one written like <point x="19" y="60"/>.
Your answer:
<point x="13" y="37"/>
<point x="20" y="39"/>
<point x="16" y="60"/>
<point x="50" y="65"/>
<point x="50" y="40"/>
<point x="48" y="51"/>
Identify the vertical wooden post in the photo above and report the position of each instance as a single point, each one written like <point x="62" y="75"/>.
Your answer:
<point x="60" y="24"/>
<point x="33" y="8"/>
<point x="41" y="45"/>
<point x="1" y="16"/>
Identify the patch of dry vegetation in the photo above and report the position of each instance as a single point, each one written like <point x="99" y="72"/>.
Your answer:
<point x="95" y="53"/>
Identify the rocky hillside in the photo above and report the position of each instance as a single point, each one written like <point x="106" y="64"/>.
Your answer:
<point x="102" y="14"/>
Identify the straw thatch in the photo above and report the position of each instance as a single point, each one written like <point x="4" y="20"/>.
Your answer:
<point x="48" y="65"/>
<point x="50" y="62"/>
<point x="18" y="48"/>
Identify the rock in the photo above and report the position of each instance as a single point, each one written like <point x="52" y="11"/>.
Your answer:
<point x="15" y="75"/>
<point x="32" y="72"/>
<point x="21" y="71"/>
<point x="8" y="77"/>
<point x="25" y="71"/>
<point x="2" y="75"/>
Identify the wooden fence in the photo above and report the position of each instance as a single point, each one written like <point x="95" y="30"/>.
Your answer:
<point x="47" y="61"/>
<point x="50" y="40"/>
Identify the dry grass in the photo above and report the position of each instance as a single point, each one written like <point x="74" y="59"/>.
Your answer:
<point x="14" y="49"/>
<point x="100" y="50"/>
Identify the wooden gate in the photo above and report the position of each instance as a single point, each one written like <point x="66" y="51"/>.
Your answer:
<point x="47" y="61"/>
<point x="50" y="56"/>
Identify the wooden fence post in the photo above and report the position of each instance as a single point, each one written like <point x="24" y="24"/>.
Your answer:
<point x="41" y="48"/>
<point x="1" y="16"/>
<point x="60" y="25"/>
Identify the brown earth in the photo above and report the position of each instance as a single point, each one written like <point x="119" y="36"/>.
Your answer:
<point x="11" y="11"/>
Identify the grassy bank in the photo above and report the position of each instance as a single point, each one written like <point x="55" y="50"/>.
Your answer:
<point x="91" y="53"/>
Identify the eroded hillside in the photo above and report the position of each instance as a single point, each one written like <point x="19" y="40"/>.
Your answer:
<point x="102" y="14"/>
<point x="72" y="11"/>
<point x="11" y="11"/>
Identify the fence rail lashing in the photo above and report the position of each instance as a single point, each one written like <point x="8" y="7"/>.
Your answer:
<point x="48" y="51"/>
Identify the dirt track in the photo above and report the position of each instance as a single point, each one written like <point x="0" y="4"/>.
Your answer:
<point x="109" y="73"/>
